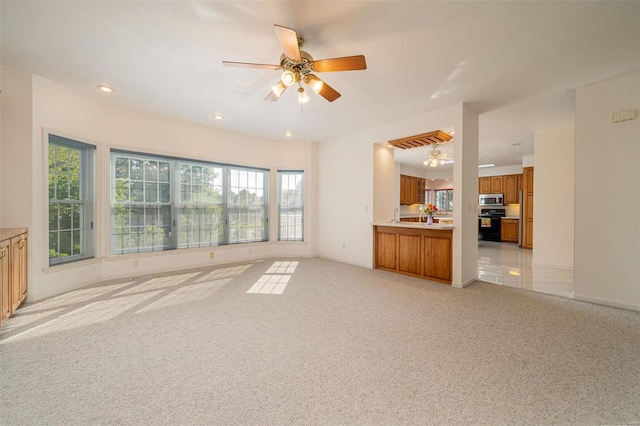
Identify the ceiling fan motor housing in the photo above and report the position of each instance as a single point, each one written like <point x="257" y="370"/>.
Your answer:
<point x="300" y="68"/>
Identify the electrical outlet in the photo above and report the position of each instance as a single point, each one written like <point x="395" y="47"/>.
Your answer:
<point x="135" y="263"/>
<point x="344" y="245"/>
<point x="210" y="255"/>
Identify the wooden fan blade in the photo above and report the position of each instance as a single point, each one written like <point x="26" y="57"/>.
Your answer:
<point x="249" y="65"/>
<point x="289" y="42"/>
<point x="347" y="63"/>
<point x="328" y="92"/>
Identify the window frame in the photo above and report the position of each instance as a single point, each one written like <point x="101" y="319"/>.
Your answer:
<point x="301" y="196"/>
<point x="86" y="200"/>
<point x="137" y="204"/>
<point x="177" y="203"/>
<point x="448" y="197"/>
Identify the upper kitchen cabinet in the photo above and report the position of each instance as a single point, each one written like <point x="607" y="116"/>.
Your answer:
<point x="496" y="185"/>
<point x="490" y="185"/>
<point x="412" y="190"/>
<point x="484" y="185"/>
<point x="511" y="189"/>
<point x="509" y="185"/>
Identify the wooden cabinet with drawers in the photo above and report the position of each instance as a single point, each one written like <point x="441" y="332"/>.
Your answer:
<point x="13" y="270"/>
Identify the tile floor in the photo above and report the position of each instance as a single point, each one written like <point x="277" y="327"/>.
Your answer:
<point x="507" y="264"/>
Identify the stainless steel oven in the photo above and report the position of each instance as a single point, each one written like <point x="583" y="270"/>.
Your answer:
<point x="491" y="200"/>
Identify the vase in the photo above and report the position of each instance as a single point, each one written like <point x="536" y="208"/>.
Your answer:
<point x="429" y="220"/>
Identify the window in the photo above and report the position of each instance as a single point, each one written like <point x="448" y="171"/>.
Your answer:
<point x="71" y="200"/>
<point x="141" y="211"/>
<point x="444" y="199"/>
<point x="162" y="203"/>
<point x="201" y="205"/>
<point x="290" y="206"/>
<point x="246" y="204"/>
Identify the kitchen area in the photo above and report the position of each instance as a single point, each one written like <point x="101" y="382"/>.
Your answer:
<point x="424" y="177"/>
<point x="505" y="204"/>
<point x="505" y="208"/>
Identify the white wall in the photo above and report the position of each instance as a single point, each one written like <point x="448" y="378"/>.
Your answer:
<point x="607" y="181"/>
<point x="42" y="105"/>
<point x="553" y="197"/>
<point x="16" y="177"/>
<point x="345" y="199"/>
<point x="499" y="171"/>
<point x="383" y="183"/>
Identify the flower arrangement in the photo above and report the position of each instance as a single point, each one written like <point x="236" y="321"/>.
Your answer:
<point x="429" y="209"/>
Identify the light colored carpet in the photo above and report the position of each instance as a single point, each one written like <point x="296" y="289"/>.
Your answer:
<point x="340" y="345"/>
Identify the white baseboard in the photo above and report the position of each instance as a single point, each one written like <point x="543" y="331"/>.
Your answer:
<point x="465" y="284"/>
<point x="607" y="302"/>
<point x="551" y="265"/>
<point x="335" y="259"/>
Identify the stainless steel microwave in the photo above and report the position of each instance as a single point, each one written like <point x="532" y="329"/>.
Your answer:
<point x="491" y="200"/>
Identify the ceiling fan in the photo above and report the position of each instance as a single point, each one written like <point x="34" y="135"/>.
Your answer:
<point x="435" y="157"/>
<point x="298" y="67"/>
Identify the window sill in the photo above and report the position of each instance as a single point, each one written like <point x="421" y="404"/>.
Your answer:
<point x="71" y="265"/>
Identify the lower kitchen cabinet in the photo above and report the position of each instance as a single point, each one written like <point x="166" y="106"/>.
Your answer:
<point x="13" y="270"/>
<point x="509" y="230"/>
<point x="424" y="253"/>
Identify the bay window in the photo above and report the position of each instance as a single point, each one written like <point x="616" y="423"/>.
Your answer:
<point x="164" y="203"/>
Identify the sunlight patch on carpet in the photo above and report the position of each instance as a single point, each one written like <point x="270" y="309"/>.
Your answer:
<point x="270" y="284"/>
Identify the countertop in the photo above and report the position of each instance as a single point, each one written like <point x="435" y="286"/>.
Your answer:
<point x="6" y="233"/>
<point x="435" y="216"/>
<point x="435" y="226"/>
<point x="511" y="217"/>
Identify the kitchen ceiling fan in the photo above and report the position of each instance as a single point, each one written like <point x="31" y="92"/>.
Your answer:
<point x="435" y="157"/>
<point x="298" y="67"/>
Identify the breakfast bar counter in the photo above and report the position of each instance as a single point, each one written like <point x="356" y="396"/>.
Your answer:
<point x="416" y="249"/>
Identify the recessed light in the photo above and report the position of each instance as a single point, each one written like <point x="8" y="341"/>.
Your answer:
<point x="106" y="89"/>
<point x="218" y="116"/>
<point x="288" y="134"/>
<point x="486" y="165"/>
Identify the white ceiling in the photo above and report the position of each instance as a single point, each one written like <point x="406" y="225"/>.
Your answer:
<point x="516" y="63"/>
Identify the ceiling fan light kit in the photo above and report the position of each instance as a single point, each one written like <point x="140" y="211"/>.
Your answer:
<point x="303" y="98"/>
<point x="298" y="67"/>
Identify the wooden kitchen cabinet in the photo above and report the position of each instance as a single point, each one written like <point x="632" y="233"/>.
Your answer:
<point x="13" y="270"/>
<point x="490" y="185"/>
<point x="496" y="185"/>
<point x="412" y="189"/>
<point x="484" y="185"/>
<point x="511" y="190"/>
<point x="509" y="185"/>
<point x="527" y="211"/>
<point x="5" y="247"/>
<point x="509" y="229"/>
<point x="423" y="253"/>
<point x="409" y="219"/>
